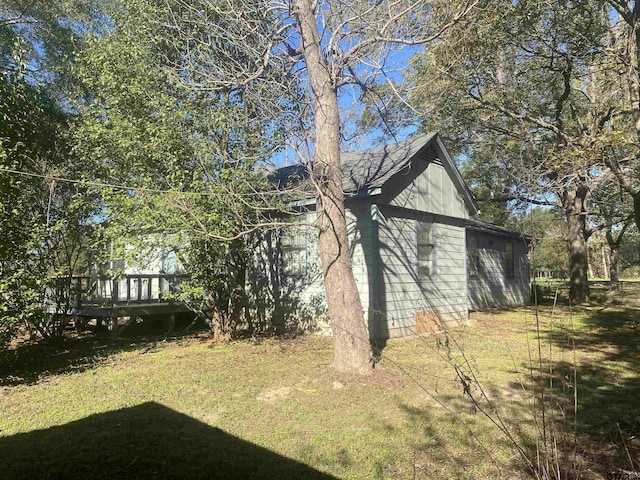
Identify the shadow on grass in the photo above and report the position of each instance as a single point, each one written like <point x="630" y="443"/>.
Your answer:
<point x="460" y="443"/>
<point x="29" y="362"/>
<point x="609" y="385"/>
<point x="148" y="441"/>
<point x="607" y="425"/>
<point x="599" y="435"/>
<point x="453" y="447"/>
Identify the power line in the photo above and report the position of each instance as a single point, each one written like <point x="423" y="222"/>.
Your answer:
<point x="111" y="185"/>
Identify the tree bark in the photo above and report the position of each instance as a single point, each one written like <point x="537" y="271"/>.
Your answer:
<point x="614" y="254"/>
<point x="352" y="348"/>
<point x="636" y="209"/>
<point x="575" y="210"/>
<point x="633" y="47"/>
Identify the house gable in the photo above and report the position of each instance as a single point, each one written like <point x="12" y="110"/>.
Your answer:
<point x="408" y="215"/>
<point x="417" y="173"/>
<point x="430" y="183"/>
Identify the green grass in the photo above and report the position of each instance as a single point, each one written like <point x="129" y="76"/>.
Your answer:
<point x="273" y="408"/>
<point x="627" y="291"/>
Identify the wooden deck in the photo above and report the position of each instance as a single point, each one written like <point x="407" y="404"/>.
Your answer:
<point x="128" y="297"/>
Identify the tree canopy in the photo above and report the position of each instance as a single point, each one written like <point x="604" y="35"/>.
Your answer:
<point x="531" y="90"/>
<point x="162" y="118"/>
<point x="40" y="216"/>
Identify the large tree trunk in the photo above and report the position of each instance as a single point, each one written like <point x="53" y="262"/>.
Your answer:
<point x="633" y="49"/>
<point x="575" y="210"/>
<point x="352" y="348"/>
<point x="614" y="254"/>
<point x="636" y="209"/>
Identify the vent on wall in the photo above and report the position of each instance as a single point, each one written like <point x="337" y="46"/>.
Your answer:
<point x="428" y="321"/>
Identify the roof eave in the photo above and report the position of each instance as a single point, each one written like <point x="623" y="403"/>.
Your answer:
<point x="370" y="192"/>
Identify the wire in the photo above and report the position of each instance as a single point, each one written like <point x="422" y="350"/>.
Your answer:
<point x="109" y="185"/>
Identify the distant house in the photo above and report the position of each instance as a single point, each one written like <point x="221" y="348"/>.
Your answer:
<point x="419" y="258"/>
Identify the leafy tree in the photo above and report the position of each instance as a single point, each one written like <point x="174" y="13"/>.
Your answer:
<point x="612" y="213"/>
<point x="624" y="56"/>
<point x="39" y="215"/>
<point x="526" y="86"/>
<point x="547" y="230"/>
<point x="178" y="165"/>
<point x="38" y="39"/>
<point x="490" y="185"/>
<point x="630" y="253"/>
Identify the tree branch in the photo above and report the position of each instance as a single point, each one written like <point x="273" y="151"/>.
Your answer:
<point x="344" y="58"/>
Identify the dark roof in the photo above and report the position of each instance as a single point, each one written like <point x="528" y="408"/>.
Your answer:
<point x="373" y="167"/>
<point x="288" y="176"/>
<point x="363" y="170"/>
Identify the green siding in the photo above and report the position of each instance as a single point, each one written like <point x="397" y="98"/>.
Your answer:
<point x="360" y="230"/>
<point x="384" y="252"/>
<point x="491" y="286"/>
<point x="404" y="292"/>
<point x="432" y="190"/>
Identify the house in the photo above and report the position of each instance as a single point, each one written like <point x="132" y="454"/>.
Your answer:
<point x="419" y="257"/>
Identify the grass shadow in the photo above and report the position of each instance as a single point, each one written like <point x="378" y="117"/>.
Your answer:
<point x="460" y="443"/>
<point x="606" y="378"/>
<point x="29" y="362"/>
<point x="583" y="392"/>
<point x="148" y="441"/>
<point x="601" y="440"/>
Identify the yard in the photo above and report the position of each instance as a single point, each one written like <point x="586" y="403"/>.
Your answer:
<point x="183" y="407"/>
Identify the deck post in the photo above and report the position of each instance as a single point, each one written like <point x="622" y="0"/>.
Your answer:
<point x="112" y="326"/>
<point x="171" y="323"/>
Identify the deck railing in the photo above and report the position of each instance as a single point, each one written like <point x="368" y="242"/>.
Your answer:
<point x="87" y="291"/>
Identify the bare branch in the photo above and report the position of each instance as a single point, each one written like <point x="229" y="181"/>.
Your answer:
<point x="381" y="37"/>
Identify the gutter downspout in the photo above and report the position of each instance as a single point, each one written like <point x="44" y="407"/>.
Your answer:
<point x="375" y="270"/>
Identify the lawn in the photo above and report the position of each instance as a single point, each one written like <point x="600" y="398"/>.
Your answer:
<point x="455" y="405"/>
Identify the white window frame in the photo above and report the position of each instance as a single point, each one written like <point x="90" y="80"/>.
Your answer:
<point x="426" y="244"/>
<point x="299" y="248"/>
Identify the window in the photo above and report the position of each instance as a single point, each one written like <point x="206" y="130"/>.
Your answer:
<point x="295" y="252"/>
<point x="508" y="255"/>
<point x="473" y="256"/>
<point x="425" y="249"/>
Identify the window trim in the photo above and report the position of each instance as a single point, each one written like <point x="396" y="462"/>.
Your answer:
<point x="292" y="232"/>
<point x="433" y="244"/>
<point x="300" y="227"/>
<point x="509" y="260"/>
<point x="474" y="245"/>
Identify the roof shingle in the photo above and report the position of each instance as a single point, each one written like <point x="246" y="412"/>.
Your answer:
<point x="363" y="170"/>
